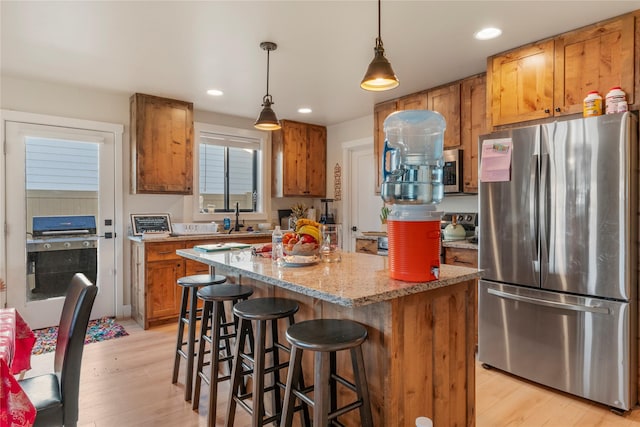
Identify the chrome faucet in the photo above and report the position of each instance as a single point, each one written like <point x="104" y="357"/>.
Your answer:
<point x="237" y="226"/>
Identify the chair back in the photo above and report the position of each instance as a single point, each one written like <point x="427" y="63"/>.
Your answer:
<point x="71" y="334"/>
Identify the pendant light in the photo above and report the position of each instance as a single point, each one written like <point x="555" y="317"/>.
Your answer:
<point x="267" y="119"/>
<point x="379" y="75"/>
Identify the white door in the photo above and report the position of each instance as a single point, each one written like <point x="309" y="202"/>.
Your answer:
<point x="90" y="194"/>
<point x="363" y="203"/>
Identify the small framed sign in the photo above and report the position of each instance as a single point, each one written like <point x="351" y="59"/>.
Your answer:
<point x="150" y="223"/>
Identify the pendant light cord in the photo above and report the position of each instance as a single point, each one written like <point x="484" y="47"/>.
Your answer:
<point x="267" y="95"/>
<point x="379" y="39"/>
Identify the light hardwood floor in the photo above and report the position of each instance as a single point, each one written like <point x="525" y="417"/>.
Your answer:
<point x="127" y="382"/>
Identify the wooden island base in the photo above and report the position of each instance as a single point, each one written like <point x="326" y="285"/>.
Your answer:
<point x="419" y="355"/>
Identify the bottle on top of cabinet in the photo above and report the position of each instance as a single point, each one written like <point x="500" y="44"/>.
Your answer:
<point x="592" y="105"/>
<point x="616" y="101"/>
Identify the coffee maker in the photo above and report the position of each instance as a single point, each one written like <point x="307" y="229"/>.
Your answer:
<point x="412" y="184"/>
<point x="326" y="217"/>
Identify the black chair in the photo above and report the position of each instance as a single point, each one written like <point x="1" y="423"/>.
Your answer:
<point x="55" y="395"/>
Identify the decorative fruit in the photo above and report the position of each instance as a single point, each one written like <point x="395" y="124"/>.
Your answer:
<point x="310" y="230"/>
<point x="306" y="238"/>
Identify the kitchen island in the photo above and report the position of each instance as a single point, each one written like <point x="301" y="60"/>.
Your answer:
<point x="419" y="355"/>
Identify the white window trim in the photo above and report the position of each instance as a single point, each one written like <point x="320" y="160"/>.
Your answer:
<point x="264" y="175"/>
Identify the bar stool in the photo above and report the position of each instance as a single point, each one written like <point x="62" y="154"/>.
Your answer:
<point x="325" y="337"/>
<point x="262" y="311"/>
<point x="189" y="317"/>
<point x="213" y="312"/>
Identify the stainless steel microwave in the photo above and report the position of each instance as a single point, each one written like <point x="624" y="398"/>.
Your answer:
<point x="452" y="171"/>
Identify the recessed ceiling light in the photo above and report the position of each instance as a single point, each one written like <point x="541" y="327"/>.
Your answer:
<point x="488" y="33"/>
<point x="215" y="92"/>
<point x="304" y="110"/>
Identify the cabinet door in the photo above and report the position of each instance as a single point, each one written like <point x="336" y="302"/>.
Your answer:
<point x="461" y="257"/>
<point x="446" y="101"/>
<point x="521" y="84"/>
<point x="594" y="58"/>
<point x="380" y="113"/>
<point x="163" y="293"/>
<point x="474" y="124"/>
<point x="415" y="101"/>
<point x="316" y="162"/>
<point x="161" y="144"/>
<point x="295" y="158"/>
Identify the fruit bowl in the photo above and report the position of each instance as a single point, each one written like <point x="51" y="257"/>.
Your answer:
<point x="304" y="249"/>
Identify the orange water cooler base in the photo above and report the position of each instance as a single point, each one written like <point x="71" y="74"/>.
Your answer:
<point x="414" y="250"/>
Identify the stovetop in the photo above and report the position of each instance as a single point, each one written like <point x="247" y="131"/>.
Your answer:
<point x="469" y="220"/>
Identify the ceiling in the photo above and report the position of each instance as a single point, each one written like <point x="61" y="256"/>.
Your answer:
<point x="179" y="49"/>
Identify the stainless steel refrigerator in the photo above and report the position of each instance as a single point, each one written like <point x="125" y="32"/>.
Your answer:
<point x="558" y="249"/>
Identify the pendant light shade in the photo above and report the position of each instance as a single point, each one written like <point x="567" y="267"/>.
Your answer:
<point x="379" y="75"/>
<point x="267" y="119"/>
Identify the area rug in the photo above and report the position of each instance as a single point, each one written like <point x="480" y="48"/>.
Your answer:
<point x="101" y="329"/>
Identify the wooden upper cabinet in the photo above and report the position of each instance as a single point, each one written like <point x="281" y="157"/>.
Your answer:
<point x="446" y="101"/>
<point x="161" y="145"/>
<point x="473" y="124"/>
<point x="299" y="160"/>
<point x="552" y="77"/>
<point x="380" y="113"/>
<point x="415" y="101"/>
<point x="521" y="84"/>
<point x="597" y="57"/>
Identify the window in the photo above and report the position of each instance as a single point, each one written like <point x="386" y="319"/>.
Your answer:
<point x="55" y="164"/>
<point x="229" y="171"/>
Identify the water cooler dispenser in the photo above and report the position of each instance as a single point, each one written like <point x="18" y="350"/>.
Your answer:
<point x="413" y="187"/>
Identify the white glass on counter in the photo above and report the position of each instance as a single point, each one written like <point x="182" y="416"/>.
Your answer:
<point x="331" y="248"/>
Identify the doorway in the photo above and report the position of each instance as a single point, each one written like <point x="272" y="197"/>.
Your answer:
<point x="61" y="168"/>
<point x="362" y="207"/>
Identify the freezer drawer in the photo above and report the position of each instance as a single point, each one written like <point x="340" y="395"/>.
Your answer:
<point x="582" y="346"/>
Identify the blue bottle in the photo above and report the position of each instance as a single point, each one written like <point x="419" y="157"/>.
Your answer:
<point x="227" y="223"/>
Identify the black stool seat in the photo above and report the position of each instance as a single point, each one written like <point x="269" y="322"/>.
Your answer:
<point x="265" y="308"/>
<point x="188" y="317"/>
<point x="325" y="337"/>
<point x="224" y="292"/>
<point x="199" y="280"/>
<point x="222" y="332"/>
<point x="326" y="334"/>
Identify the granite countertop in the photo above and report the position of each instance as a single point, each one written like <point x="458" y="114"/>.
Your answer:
<point x="359" y="279"/>
<point x="220" y="236"/>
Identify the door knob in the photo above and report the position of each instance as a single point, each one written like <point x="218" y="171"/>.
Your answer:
<point x="354" y="228"/>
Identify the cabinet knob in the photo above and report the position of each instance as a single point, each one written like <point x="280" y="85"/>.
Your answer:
<point x="546" y="110"/>
<point x="558" y="109"/>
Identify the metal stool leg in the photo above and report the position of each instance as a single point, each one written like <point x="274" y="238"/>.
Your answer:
<point x="322" y="390"/>
<point x="204" y="325"/>
<point x="244" y="330"/>
<point x="188" y="383"/>
<point x="215" y="357"/>
<point x="293" y="377"/>
<point x="183" y="313"/>
<point x="366" y="418"/>
<point x="258" y="375"/>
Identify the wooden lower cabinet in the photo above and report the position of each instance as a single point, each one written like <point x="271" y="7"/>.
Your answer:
<point x="155" y="269"/>
<point x="464" y="258"/>
<point x="367" y="246"/>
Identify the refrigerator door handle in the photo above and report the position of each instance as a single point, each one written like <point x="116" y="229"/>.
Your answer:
<point x="544" y="194"/>
<point x="533" y="211"/>
<point x="546" y="303"/>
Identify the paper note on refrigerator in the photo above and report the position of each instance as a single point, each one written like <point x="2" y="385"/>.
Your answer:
<point x="495" y="163"/>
